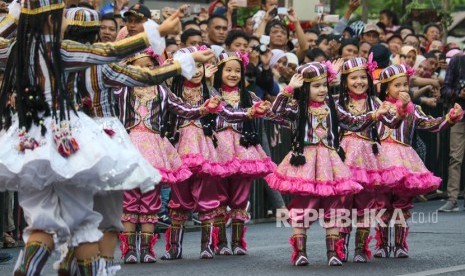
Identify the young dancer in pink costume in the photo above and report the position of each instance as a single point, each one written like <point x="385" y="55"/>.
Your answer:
<point x="195" y="140"/>
<point x="402" y="160"/>
<point x="238" y="148"/>
<point x="362" y="152"/>
<point x="313" y="171"/>
<point x="143" y="111"/>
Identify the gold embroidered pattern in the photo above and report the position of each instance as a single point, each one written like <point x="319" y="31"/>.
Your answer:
<point x="145" y="94"/>
<point x="232" y="98"/>
<point x="355" y="108"/>
<point x="192" y="95"/>
<point x="320" y="113"/>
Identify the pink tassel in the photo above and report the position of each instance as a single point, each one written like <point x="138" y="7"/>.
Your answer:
<point x="65" y="143"/>
<point x="109" y="132"/>
<point x="216" y="237"/>
<point x="244" y="58"/>
<point x="26" y="142"/>
<point x="367" y="247"/>
<point x="379" y="241"/>
<point x="123" y="245"/>
<point x="243" y="242"/>
<point x="294" y="250"/>
<point x="410" y="71"/>
<point x="332" y="73"/>
<point x="371" y="65"/>
<point x="87" y="102"/>
<point x="168" y="239"/>
<point x="153" y="241"/>
<point x="340" y="249"/>
<point x="67" y="146"/>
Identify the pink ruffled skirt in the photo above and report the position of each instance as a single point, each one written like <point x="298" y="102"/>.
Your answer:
<point x="251" y="162"/>
<point x="324" y="174"/>
<point x="402" y="167"/>
<point x="363" y="163"/>
<point x="161" y="154"/>
<point x="199" y="154"/>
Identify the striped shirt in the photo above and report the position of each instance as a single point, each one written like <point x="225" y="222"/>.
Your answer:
<point x="164" y="100"/>
<point x="320" y="118"/>
<point x="98" y="83"/>
<point x="416" y="120"/>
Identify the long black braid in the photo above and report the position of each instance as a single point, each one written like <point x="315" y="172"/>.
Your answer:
<point x="344" y="100"/>
<point x="22" y="71"/>
<point x="335" y="128"/>
<point x="208" y="121"/>
<point x="84" y="35"/>
<point x="250" y="136"/>
<point x="298" y="139"/>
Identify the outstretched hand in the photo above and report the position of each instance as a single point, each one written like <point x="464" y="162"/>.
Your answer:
<point x="337" y="64"/>
<point x="297" y="81"/>
<point x="383" y="109"/>
<point x="203" y="56"/>
<point x="456" y="112"/>
<point x="171" y="25"/>
<point x="264" y="107"/>
<point x="210" y="70"/>
<point x="214" y="102"/>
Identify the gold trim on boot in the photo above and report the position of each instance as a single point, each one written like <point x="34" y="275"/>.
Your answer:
<point x="68" y="265"/>
<point x="33" y="259"/>
<point x="299" y="250"/>
<point x="362" y="240"/>
<point x="238" y="243"/>
<point x="174" y="236"/>
<point x="334" y="247"/>
<point x="128" y="241"/>
<point x="206" y="243"/>
<point x="220" y="239"/>
<point x="90" y="266"/>
<point x="147" y="242"/>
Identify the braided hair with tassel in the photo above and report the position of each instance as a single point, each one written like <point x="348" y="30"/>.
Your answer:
<point x="208" y="121"/>
<point x="250" y="135"/>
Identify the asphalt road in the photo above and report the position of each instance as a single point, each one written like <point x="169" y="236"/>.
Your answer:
<point x="437" y="246"/>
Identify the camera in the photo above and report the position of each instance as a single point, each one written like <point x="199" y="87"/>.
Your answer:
<point x="461" y="85"/>
<point x="262" y="48"/>
<point x="274" y="12"/>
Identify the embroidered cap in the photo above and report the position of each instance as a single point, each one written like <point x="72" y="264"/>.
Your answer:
<point x="83" y="17"/>
<point x="227" y="56"/>
<point x="395" y="71"/>
<point x="146" y="53"/>
<point x="313" y="71"/>
<point x="33" y="7"/>
<point x="354" y="64"/>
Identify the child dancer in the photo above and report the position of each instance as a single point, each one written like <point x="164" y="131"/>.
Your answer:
<point x="402" y="159"/>
<point x="93" y="89"/>
<point x="313" y="171"/>
<point x="195" y="140"/>
<point x="362" y="152"/>
<point x="238" y="147"/>
<point x="57" y="157"/>
<point x="142" y="112"/>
